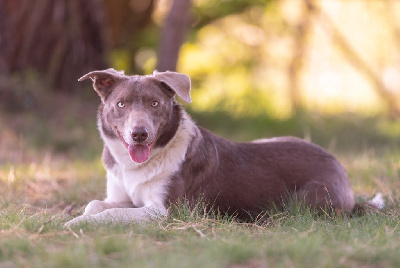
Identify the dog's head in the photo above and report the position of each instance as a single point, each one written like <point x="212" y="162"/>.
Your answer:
<point x="136" y="108"/>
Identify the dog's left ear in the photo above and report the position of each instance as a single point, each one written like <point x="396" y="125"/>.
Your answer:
<point x="179" y="83"/>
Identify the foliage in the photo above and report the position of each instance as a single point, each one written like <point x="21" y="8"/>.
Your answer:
<point x="209" y="11"/>
<point x="278" y="54"/>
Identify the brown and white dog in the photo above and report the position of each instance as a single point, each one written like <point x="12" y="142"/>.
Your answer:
<point x="155" y="156"/>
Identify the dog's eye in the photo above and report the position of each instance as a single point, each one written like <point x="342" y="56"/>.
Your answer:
<point x="121" y="104"/>
<point x="154" y="103"/>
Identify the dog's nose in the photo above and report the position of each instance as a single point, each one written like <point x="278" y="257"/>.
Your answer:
<point x="139" y="134"/>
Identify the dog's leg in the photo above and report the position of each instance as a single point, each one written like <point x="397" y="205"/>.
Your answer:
<point x="326" y="198"/>
<point x="97" y="206"/>
<point x="116" y="197"/>
<point x="121" y="216"/>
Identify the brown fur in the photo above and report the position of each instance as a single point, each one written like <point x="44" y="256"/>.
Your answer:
<point x="248" y="177"/>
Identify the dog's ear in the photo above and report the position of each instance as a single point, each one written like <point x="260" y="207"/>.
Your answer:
<point x="104" y="81"/>
<point x="179" y="83"/>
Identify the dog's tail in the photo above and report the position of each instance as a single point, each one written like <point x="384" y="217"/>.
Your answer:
<point x="375" y="204"/>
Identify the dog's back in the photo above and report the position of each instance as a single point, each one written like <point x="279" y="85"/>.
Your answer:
<point x="248" y="177"/>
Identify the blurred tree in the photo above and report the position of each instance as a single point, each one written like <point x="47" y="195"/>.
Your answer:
<point x="173" y="34"/>
<point x="125" y="20"/>
<point x="390" y="98"/>
<point x="59" y="39"/>
<point x="182" y="16"/>
<point x="210" y="11"/>
<point x="63" y="39"/>
<point x="301" y="32"/>
<point x="130" y="28"/>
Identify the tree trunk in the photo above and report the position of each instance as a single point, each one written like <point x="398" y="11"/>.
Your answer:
<point x="299" y="54"/>
<point x="59" y="39"/>
<point x="126" y="18"/>
<point x="173" y="34"/>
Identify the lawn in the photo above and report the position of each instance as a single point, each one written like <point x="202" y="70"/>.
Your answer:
<point x="50" y="168"/>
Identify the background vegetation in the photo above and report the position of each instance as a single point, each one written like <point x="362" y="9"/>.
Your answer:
<point x="327" y="71"/>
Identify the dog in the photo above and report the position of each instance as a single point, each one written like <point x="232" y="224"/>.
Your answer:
<point x="155" y="156"/>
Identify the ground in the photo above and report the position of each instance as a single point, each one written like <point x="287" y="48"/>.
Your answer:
<point x="50" y="168"/>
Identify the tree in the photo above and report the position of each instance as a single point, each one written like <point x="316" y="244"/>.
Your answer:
<point x="302" y="30"/>
<point x="64" y="39"/>
<point x="59" y="39"/>
<point x="350" y="53"/>
<point x="173" y="34"/>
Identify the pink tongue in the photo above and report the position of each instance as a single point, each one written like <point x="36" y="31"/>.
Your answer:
<point x="139" y="153"/>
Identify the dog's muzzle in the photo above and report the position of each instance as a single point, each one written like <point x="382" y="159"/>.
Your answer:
<point x="139" y="151"/>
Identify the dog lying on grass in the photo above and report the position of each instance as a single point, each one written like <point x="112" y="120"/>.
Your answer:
<point x="155" y="155"/>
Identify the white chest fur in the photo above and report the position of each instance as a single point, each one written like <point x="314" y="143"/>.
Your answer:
<point x="146" y="184"/>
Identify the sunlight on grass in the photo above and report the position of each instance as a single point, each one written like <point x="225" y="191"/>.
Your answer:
<point x="44" y="184"/>
<point x="304" y="239"/>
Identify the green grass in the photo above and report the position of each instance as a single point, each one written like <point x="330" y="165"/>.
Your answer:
<point x="44" y="184"/>
<point x="39" y="240"/>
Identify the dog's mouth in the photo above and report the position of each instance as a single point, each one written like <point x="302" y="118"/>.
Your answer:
<point x="138" y="152"/>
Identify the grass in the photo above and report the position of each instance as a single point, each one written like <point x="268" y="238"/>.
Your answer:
<point x="50" y="169"/>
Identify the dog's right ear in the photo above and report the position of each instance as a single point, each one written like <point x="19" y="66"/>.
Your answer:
<point x="104" y="81"/>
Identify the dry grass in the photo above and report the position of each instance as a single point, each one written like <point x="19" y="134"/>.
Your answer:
<point x="44" y="181"/>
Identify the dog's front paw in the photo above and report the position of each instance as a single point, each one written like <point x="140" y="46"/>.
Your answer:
<point x="79" y="220"/>
<point x="94" y="207"/>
